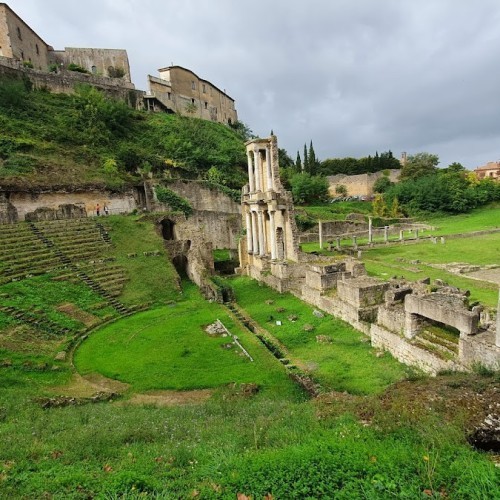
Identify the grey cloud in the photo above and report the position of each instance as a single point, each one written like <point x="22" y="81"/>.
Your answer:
<point x="354" y="76"/>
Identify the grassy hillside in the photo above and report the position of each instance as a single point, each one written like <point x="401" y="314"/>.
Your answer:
<point x="89" y="140"/>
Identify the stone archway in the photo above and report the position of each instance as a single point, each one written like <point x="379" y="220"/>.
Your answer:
<point x="168" y="229"/>
<point x="180" y="263"/>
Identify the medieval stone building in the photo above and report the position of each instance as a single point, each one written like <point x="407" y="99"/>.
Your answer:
<point x="181" y="91"/>
<point x="19" y="42"/>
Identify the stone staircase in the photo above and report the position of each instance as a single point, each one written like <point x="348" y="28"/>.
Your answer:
<point x="442" y="347"/>
<point x="36" y="320"/>
<point x="78" y="241"/>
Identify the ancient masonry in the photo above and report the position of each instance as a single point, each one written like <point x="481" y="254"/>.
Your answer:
<point x="398" y="316"/>
<point x="23" y="53"/>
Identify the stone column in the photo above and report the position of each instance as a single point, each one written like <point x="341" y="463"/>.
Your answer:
<point x="269" y="169"/>
<point x="272" y="230"/>
<point x="255" y="240"/>
<point x="249" y="232"/>
<point x="320" y="225"/>
<point x="262" y="245"/>
<point x="256" y="158"/>
<point x="498" y="322"/>
<point x="251" y="178"/>
<point x="416" y="234"/>
<point x="338" y="244"/>
<point x="401" y="236"/>
<point x="370" y="230"/>
<point x="386" y="233"/>
<point x="355" y="242"/>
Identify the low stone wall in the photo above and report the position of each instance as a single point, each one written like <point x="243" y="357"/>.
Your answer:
<point x="20" y="206"/>
<point x="65" y="82"/>
<point x="480" y="349"/>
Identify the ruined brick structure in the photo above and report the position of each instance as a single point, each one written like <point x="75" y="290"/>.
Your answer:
<point x="361" y="184"/>
<point x="183" y="92"/>
<point x="398" y="316"/>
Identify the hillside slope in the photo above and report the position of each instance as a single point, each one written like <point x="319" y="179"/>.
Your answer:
<point x="87" y="140"/>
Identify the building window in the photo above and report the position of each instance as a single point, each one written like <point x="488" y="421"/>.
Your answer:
<point x="193" y="85"/>
<point x="37" y="49"/>
<point x="19" y="33"/>
<point x="204" y="89"/>
<point x="22" y="55"/>
<point x="192" y="101"/>
<point x="206" y="105"/>
<point x="94" y="70"/>
<point x="169" y="95"/>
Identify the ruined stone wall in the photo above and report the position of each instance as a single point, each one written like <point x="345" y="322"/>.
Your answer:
<point x="359" y="185"/>
<point x="98" y="62"/>
<point x="480" y="349"/>
<point x="17" y="205"/>
<point x="204" y="198"/>
<point x="65" y="82"/>
<point x="220" y="229"/>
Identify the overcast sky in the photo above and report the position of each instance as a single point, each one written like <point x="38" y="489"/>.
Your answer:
<point x="353" y="76"/>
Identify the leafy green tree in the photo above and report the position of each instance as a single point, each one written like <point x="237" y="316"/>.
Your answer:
<point x="382" y="184"/>
<point x="284" y="159"/>
<point x="243" y="130"/>
<point x="307" y="188"/>
<point x="379" y="206"/>
<point x="419" y="165"/>
<point x="341" y="189"/>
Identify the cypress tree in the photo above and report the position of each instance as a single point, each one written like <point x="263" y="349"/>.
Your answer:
<point x="305" y="165"/>
<point x="298" y="163"/>
<point x="312" y="160"/>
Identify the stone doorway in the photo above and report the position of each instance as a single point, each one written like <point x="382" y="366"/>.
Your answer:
<point x="180" y="263"/>
<point x="280" y="243"/>
<point x="168" y="229"/>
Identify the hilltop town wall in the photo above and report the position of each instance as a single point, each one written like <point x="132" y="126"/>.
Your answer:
<point x="361" y="184"/>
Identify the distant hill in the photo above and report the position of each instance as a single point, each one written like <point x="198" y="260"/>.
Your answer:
<point x="50" y="141"/>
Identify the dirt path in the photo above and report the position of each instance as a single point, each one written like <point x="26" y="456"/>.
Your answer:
<point x="88" y="385"/>
<point x="490" y="275"/>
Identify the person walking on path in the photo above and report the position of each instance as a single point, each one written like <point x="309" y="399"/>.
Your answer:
<point x="98" y="210"/>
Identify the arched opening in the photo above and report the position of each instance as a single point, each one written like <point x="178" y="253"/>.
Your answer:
<point x="167" y="229"/>
<point x="180" y="263"/>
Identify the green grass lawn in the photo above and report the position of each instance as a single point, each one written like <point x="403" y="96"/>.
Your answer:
<point x="478" y="219"/>
<point x="151" y="280"/>
<point x="336" y="211"/>
<point x="167" y="348"/>
<point x="393" y="260"/>
<point x="348" y="363"/>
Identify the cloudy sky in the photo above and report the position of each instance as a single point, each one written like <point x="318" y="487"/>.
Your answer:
<point x="353" y="76"/>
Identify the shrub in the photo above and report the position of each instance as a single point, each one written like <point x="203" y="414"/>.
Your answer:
<point x="77" y="68"/>
<point x="173" y="200"/>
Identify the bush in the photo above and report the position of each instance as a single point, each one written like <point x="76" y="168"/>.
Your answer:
<point x="75" y="67"/>
<point x="308" y="188"/>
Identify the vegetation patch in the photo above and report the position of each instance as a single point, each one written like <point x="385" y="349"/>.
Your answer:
<point x="348" y="363"/>
<point x="167" y="348"/>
